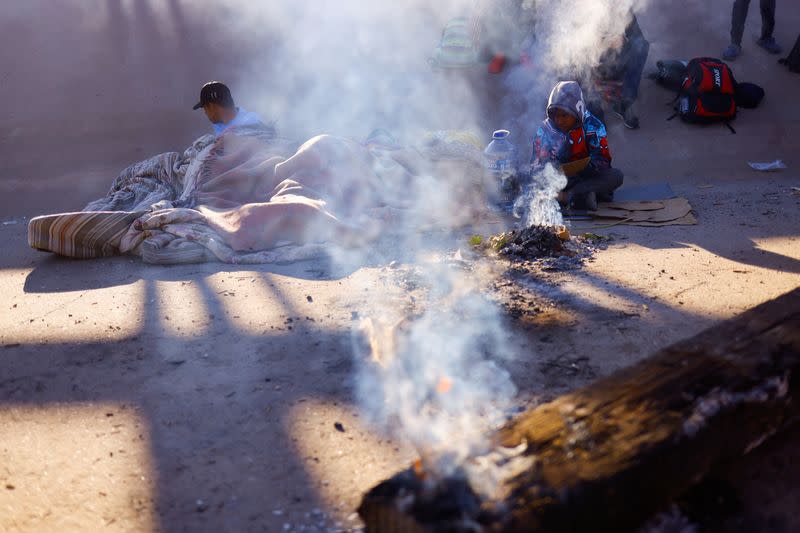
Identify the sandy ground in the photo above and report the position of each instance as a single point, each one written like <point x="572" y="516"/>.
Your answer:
<point x="205" y="397"/>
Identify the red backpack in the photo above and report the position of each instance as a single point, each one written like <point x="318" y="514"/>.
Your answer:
<point x="708" y="92"/>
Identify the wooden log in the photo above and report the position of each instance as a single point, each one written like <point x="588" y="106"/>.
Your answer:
<point x="608" y="456"/>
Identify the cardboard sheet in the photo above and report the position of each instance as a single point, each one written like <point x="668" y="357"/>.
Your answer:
<point x="667" y="212"/>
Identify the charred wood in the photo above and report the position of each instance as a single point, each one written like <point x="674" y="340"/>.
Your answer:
<point x="608" y="456"/>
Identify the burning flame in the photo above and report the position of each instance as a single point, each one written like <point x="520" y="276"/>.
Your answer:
<point x="419" y="469"/>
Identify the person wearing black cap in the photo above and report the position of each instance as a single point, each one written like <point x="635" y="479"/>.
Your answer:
<point x="218" y="105"/>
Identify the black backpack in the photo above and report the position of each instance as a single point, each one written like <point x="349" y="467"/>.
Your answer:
<point x="792" y="61"/>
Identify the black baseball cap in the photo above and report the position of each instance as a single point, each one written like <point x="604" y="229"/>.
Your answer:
<point x="215" y="92"/>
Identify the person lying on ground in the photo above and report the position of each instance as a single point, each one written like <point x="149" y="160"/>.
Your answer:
<point x="218" y="105"/>
<point x="571" y="133"/>
<point x="624" y="60"/>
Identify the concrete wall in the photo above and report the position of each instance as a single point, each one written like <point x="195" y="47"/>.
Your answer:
<point x="89" y="86"/>
<point x="103" y="81"/>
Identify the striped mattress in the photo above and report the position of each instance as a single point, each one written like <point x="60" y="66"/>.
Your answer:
<point x="82" y="235"/>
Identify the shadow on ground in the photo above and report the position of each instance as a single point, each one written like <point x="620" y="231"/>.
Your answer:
<point x="218" y="403"/>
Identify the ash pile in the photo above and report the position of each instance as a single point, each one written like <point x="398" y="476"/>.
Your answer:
<point x="534" y="242"/>
<point x="546" y="247"/>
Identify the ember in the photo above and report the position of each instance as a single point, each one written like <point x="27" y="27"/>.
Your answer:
<point x="444" y="385"/>
<point x="471" y="497"/>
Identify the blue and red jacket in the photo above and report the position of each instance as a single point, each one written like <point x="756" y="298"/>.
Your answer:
<point x="551" y="145"/>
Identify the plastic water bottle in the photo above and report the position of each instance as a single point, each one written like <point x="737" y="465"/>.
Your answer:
<point x="500" y="165"/>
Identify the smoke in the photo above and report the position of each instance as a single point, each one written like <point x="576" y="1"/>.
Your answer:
<point x="345" y="68"/>
<point x="352" y="66"/>
<point x="566" y="40"/>
<point x="436" y="380"/>
<point x="435" y="377"/>
<point x="539" y="202"/>
<point x="349" y="67"/>
<point x="574" y="34"/>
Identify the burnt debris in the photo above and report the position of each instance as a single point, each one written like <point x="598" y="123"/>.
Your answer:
<point x="534" y="242"/>
<point x="410" y="503"/>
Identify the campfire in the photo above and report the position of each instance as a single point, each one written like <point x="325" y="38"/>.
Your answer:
<point x="534" y="242"/>
<point x="469" y="499"/>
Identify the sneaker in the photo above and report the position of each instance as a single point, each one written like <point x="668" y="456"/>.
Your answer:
<point x="770" y="45"/>
<point x="732" y="52"/>
<point x="627" y="114"/>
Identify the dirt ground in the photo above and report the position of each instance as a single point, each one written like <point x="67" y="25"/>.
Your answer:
<point x="220" y="398"/>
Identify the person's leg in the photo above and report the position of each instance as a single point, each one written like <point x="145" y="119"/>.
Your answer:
<point x="635" y="58"/>
<point x="602" y="182"/>
<point x="767" y="41"/>
<point x="738" y="19"/>
<point x="613" y="182"/>
<point x="767" y="18"/>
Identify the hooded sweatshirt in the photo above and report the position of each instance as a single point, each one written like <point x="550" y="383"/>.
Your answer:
<point x="588" y="138"/>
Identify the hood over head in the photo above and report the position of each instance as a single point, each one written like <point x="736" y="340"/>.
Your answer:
<point x="567" y="95"/>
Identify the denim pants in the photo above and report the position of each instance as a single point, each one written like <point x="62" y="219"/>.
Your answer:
<point x="634" y="58"/>
<point x="626" y="65"/>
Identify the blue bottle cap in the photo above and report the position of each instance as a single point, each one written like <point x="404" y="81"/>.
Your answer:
<point x="501" y="134"/>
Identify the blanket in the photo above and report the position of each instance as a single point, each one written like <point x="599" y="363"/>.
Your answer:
<point x="248" y="196"/>
<point x="81" y="235"/>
